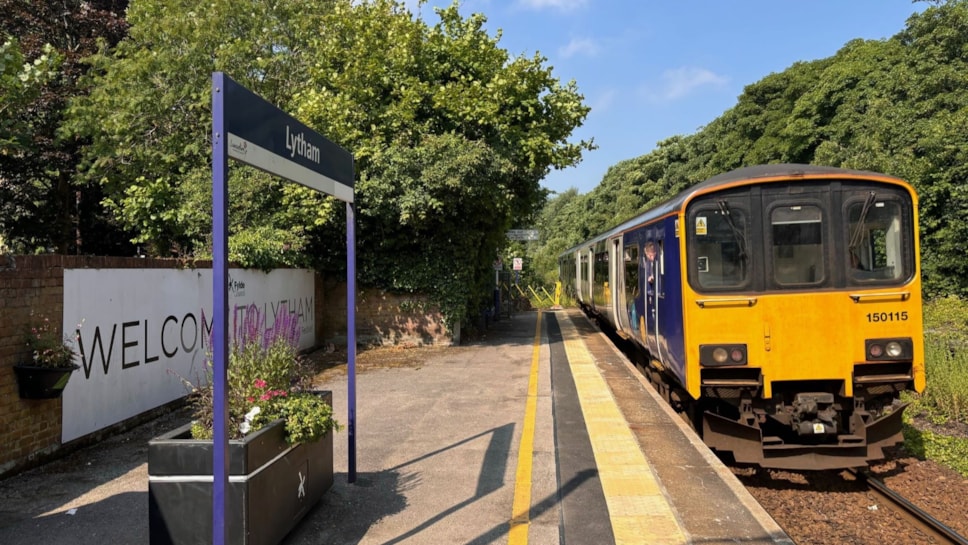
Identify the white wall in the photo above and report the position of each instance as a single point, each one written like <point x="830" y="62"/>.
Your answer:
<point x="142" y="331"/>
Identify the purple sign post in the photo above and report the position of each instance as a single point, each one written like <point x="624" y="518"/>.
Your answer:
<point x="249" y="129"/>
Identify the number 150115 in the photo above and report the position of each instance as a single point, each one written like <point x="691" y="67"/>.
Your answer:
<point x="887" y="316"/>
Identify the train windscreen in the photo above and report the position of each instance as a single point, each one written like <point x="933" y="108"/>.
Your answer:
<point x="795" y="235"/>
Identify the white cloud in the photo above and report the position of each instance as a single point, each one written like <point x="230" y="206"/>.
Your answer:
<point x="580" y="46"/>
<point x="679" y="82"/>
<point x="563" y="5"/>
<point x="603" y="102"/>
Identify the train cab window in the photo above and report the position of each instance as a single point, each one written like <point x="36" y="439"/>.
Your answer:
<point x="797" y="244"/>
<point x="876" y="247"/>
<point x="719" y="240"/>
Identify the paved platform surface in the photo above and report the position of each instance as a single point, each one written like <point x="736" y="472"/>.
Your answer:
<point x="442" y="458"/>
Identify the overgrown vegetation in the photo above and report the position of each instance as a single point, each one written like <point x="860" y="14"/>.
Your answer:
<point x="944" y="449"/>
<point x="44" y="205"/>
<point x="944" y="402"/>
<point x="946" y="353"/>
<point x="450" y="135"/>
<point x="897" y="106"/>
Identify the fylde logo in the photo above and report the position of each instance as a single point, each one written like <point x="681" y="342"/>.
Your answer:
<point x="240" y="147"/>
<point x="236" y="287"/>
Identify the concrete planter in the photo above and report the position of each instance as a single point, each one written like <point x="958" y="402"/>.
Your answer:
<point x="272" y="486"/>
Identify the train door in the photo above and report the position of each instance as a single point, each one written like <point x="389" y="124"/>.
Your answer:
<point x="582" y="268"/>
<point x="617" y="280"/>
<point x="632" y="309"/>
<point x="576" y="271"/>
<point x="603" y="291"/>
<point x="653" y="271"/>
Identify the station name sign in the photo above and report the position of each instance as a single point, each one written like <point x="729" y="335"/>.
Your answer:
<point x="265" y="137"/>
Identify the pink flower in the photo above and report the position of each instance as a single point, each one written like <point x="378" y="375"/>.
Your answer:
<point x="259" y="383"/>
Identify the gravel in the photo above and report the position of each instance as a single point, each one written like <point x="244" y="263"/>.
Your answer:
<point x="832" y="507"/>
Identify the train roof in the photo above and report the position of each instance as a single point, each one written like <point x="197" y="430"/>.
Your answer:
<point x="674" y="204"/>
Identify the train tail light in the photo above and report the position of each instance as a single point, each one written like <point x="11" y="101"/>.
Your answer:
<point x="714" y="355"/>
<point x="901" y="349"/>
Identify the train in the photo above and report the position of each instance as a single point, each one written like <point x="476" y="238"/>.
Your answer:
<point x="777" y="307"/>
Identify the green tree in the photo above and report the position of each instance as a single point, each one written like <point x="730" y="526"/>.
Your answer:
<point x="561" y="227"/>
<point x="407" y="99"/>
<point x="43" y="206"/>
<point x="897" y="106"/>
<point x="20" y="83"/>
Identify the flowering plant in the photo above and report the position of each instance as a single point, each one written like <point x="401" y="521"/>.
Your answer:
<point x="49" y="348"/>
<point x="267" y="381"/>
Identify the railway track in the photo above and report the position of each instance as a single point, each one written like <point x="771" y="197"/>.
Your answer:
<point x="911" y="513"/>
<point x="916" y="521"/>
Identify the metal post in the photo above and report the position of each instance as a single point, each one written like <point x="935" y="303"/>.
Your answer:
<point x="220" y="309"/>
<point x="351" y="337"/>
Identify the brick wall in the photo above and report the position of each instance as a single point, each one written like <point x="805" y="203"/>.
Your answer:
<point x="382" y="318"/>
<point x="30" y="430"/>
<point x="32" y="287"/>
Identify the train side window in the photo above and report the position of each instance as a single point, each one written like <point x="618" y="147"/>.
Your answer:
<point x="631" y="272"/>
<point x="661" y="261"/>
<point x="797" y="233"/>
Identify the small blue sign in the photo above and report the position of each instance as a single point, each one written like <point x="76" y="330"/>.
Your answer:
<point x="263" y="136"/>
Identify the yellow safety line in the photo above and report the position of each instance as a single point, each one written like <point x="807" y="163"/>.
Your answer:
<point x="520" y="510"/>
<point x="638" y="509"/>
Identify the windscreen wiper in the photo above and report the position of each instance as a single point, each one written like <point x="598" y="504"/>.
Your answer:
<point x="855" y="237"/>
<point x="738" y="234"/>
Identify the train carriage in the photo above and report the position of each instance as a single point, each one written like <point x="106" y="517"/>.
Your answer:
<point x="779" y="305"/>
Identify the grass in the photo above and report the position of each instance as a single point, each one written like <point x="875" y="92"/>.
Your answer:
<point x="945" y="398"/>
<point x="944" y="449"/>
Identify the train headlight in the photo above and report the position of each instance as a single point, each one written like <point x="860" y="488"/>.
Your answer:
<point x="719" y="355"/>
<point x="889" y="349"/>
<point x="714" y="355"/>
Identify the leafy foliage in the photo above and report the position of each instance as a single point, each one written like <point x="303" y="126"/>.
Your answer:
<point x="266" y="381"/>
<point x="950" y="451"/>
<point x="450" y="135"/>
<point x="946" y="355"/>
<point x="43" y="205"/>
<point x="897" y="106"/>
<point x="20" y="83"/>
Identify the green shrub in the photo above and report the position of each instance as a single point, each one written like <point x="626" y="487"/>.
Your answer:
<point x="924" y="444"/>
<point x="946" y="357"/>
<point x="267" y="380"/>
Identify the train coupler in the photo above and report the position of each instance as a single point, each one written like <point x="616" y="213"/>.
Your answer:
<point x="814" y="413"/>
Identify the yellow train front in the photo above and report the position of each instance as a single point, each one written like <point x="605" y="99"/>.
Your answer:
<point x="779" y="304"/>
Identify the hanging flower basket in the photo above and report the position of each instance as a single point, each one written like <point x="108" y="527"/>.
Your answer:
<point x="51" y="364"/>
<point x="35" y="382"/>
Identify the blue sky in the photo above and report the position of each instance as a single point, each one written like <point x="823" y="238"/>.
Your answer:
<point x="655" y="69"/>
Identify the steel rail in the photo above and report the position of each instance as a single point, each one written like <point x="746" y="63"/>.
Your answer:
<point x="914" y="514"/>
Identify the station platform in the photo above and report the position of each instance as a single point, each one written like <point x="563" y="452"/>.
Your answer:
<point x="541" y="433"/>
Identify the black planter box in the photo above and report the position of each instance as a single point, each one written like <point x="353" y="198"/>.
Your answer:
<point x="42" y="382"/>
<point x="271" y="486"/>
